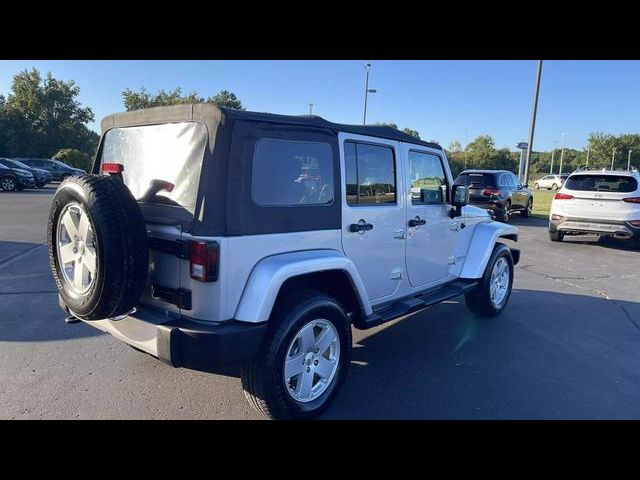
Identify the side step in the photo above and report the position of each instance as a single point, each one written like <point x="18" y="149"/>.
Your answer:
<point x="397" y="308"/>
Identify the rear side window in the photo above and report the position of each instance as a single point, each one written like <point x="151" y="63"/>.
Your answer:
<point x="428" y="181"/>
<point x="370" y="174"/>
<point x="476" y="180"/>
<point x="292" y="172"/>
<point x="602" y="183"/>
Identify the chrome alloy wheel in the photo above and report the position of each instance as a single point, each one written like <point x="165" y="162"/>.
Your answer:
<point x="8" y="184"/>
<point x="311" y="361"/>
<point x="499" y="282"/>
<point x="76" y="249"/>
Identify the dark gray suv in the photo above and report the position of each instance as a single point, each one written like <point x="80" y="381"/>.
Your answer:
<point x="497" y="190"/>
<point x="57" y="169"/>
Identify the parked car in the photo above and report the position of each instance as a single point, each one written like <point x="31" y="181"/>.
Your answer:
<point x="57" y="169"/>
<point x="8" y="180"/>
<point x="19" y="178"/>
<point x="497" y="190"/>
<point x="550" y="182"/>
<point x="42" y="177"/>
<point x="605" y="203"/>
<point x="260" y="239"/>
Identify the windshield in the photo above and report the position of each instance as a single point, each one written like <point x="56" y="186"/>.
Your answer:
<point x="18" y="164"/>
<point x="602" y="183"/>
<point x="169" y="152"/>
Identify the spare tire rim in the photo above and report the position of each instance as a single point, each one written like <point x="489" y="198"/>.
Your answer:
<point x="311" y="361"/>
<point x="499" y="282"/>
<point x="76" y="248"/>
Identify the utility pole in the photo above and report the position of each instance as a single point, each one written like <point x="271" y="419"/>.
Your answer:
<point x="533" y="124"/>
<point x="588" y="150"/>
<point x="553" y="153"/>
<point x="367" y="91"/>
<point x="311" y="109"/>
<point x="562" y="153"/>
<point x="613" y="157"/>
<point x="629" y="161"/>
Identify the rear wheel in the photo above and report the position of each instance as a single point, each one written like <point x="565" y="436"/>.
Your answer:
<point x="303" y="360"/>
<point x="527" y="211"/>
<point x="492" y="294"/>
<point x="97" y="246"/>
<point x="556" y="236"/>
<point x="8" y="184"/>
<point x="503" y="215"/>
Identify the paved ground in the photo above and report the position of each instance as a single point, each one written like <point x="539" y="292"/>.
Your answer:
<point x="568" y="346"/>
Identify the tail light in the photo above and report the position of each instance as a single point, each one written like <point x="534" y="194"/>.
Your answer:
<point x="556" y="217"/>
<point x="112" y="168"/>
<point x="634" y="223"/>
<point x="203" y="260"/>
<point x="488" y="192"/>
<point x="631" y="200"/>
<point x="562" y="196"/>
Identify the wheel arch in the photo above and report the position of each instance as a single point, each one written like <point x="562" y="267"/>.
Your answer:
<point x="482" y="244"/>
<point x="275" y="276"/>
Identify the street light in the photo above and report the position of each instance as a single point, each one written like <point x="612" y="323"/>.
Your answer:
<point x="311" y="109"/>
<point x="553" y="153"/>
<point x="629" y="161"/>
<point x="562" y="153"/>
<point x="367" y="91"/>
<point x="613" y="157"/>
<point x="533" y="124"/>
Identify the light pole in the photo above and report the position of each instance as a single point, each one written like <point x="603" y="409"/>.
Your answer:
<point x="311" y="109"/>
<point x="588" y="150"/>
<point x="553" y="153"/>
<point x="629" y="161"/>
<point x="613" y="157"/>
<point x="564" y="135"/>
<point x="522" y="146"/>
<point x="533" y="124"/>
<point x="367" y="91"/>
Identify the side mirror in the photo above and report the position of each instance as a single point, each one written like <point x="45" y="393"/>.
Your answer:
<point x="459" y="198"/>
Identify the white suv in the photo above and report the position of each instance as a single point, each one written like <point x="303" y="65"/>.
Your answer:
<point x="606" y="203"/>
<point x="209" y="237"/>
<point x="550" y="182"/>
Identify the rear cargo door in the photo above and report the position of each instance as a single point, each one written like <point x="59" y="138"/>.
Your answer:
<point x="161" y="166"/>
<point x="477" y="182"/>
<point x="599" y="197"/>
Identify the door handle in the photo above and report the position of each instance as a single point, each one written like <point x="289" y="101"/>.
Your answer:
<point x="415" y="222"/>
<point x="361" y="226"/>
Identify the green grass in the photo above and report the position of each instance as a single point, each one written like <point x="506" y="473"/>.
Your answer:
<point x="542" y="203"/>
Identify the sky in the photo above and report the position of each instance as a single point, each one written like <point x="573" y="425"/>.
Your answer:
<point x="442" y="100"/>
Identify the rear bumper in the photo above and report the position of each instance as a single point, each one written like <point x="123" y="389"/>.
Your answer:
<point x="586" y="226"/>
<point x="185" y="343"/>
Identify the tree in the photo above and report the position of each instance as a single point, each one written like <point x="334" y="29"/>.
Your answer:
<point x="225" y="98"/>
<point x="39" y="117"/>
<point x="413" y="133"/>
<point x="75" y="158"/>
<point x="136" y="100"/>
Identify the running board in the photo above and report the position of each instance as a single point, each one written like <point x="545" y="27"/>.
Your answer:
<point x="390" y="311"/>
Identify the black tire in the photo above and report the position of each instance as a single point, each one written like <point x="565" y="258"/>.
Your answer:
<point x="527" y="211"/>
<point x="556" y="236"/>
<point x="120" y="242"/>
<point x="262" y="378"/>
<point x="479" y="299"/>
<point x="503" y="215"/>
<point x="8" y="184"/>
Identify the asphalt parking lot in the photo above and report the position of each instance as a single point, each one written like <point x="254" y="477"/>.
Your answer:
<point x="566" y="347"/>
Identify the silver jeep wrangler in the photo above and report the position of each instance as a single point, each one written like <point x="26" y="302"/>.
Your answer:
<point x="209" y="237"/>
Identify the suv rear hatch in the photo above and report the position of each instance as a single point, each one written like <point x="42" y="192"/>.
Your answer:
<point x="477" y="183"/>
<point x="161" y="165"/>
<point x="599" y="197"/>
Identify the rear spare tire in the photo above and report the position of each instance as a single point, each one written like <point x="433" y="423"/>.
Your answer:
<point x="98" y="249"/>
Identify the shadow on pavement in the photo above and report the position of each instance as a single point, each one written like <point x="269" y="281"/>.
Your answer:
<point x="520" y="221"/>
<point x="549" y="355"/>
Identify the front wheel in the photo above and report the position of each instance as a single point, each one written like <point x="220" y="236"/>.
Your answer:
<point x="303" y="360"/>
<point x="492" y="294"/>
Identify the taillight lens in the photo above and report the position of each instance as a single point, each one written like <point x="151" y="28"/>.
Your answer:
<point x="203" y="260"/>
<point x="112" y="168"/>
<point x="631" y="200"/>
<point x="562" y="196"/>
<point x="635" y="223"/>
<point x="555" y="216"/>
<point x="488" y="192"/>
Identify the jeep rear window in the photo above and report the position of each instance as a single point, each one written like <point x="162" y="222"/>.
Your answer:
<point x="602" y="183"/>
<point x="171" y="152"/>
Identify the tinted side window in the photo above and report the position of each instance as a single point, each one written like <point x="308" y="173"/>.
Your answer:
<point x="514" y="180"/>
<point x="427" y="178"/>
<point x="292" y="172"/>
<point x="370" y="174"/>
